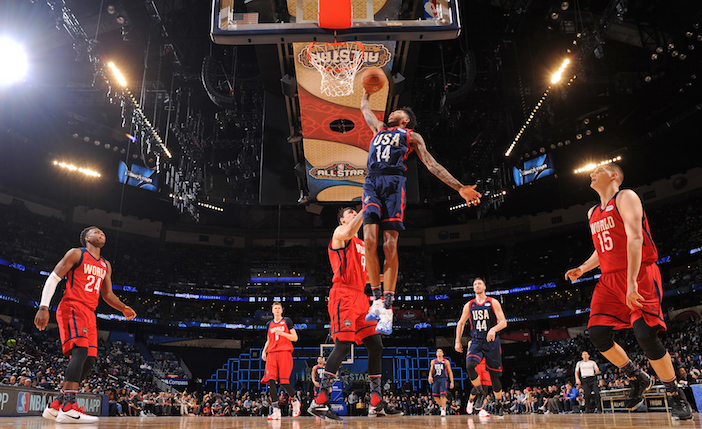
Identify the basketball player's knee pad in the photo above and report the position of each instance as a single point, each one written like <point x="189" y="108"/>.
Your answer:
<point x="374" y="345"/>
<point x="75" y="366"/>
<point x="371" y="219"/>
<point x="648" y="340"/>
<point x="470" y="368"/>
<point x="601" y="337"/>
<point x="496" y="383"/>
<point x="338" y="354"/>
<point x="87" y="366"/>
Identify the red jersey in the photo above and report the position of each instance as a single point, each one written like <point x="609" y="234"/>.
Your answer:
<point x="349" y="264"/>
<point x="609" y="238"/>
<point x="276" y="343"/>
<point x="85" y="280"/>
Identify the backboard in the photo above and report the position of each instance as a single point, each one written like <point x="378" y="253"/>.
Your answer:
<point x="237" y="22"/>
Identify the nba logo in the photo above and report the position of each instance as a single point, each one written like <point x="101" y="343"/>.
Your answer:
<point x="22" y="402"/>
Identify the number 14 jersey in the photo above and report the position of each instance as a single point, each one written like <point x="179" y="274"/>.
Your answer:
<point x="389" y="150"/>
<point x="609" y="238"/>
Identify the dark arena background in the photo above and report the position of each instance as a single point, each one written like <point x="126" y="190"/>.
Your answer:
<point x="217" y="166"/>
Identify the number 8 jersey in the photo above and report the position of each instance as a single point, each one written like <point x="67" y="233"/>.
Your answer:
<point x="389" y="150"/>
<point x="609" y="238"/>
<point x="85" y="280"/>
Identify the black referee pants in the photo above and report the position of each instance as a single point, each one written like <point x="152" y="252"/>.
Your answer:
<point x="589" y="388"/>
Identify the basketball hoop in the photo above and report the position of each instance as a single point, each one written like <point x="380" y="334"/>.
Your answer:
<point x="338" y="64"/>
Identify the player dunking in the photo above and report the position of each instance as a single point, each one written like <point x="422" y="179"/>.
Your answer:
<point x="486" y="320"/>
<point x="89" y="277"/>
<point x="384" y="199"/>
<point x="277" y="352"/>
<point x="316" y="374"/>
<point x="629" y="292"/>
<point x="347" y="309"/>
<point x="439" y="373"/>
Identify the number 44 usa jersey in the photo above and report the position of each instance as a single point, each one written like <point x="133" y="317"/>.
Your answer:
<point x="85" y="280"/>
<point x="389" y="150"/>
<point x="482" y="318"/>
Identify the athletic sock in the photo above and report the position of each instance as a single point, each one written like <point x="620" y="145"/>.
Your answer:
<point x="630" y="369"/>
<point x="377" y="292"/>
<point x="375" y="389"/>
<point x="69" y="396"/>
<point x="671" y="385"/>
<point x="60" y="397"/>
<point x="388" y="297"/>
<point x="325" y="388"/>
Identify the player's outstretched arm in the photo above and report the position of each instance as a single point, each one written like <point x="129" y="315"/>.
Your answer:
<point x="111" y="299"/>
<point x="345" y="232"/>
<point x="459" y="328"/>
<point x="592" y="262"/>
<point x="467" y="192"/>
<point x="373" y="122"/>
<point x="631" y="210"/>
<point x="41" y="319"/>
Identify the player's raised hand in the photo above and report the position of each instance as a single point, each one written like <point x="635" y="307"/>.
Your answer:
<point x="41" y="319"/>
<point x="574" y="274"/>
<point x="129" y="312"/>
<point x="633" y="298"/>
<point x="469" y="194"/>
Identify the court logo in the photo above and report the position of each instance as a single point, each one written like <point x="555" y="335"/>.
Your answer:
<point x="338" y="171"/>
<point x="23" y="399"/>
<point x="374" y="55"/>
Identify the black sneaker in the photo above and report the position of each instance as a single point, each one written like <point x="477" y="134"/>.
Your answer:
<point x="639" y="385"/>
<point x="679" y="407"/>
<point x="323" y="411"/>
<point x="384" y="409"/>
<point x="499" y="413"/>
<point x="479" y="402"/>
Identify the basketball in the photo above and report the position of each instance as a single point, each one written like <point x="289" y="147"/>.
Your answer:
<point x="373" y="80"/>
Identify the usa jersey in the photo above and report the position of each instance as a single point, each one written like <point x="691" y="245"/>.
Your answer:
<point x="609" y="238"/>
<point x="277" y="343"/>
<point x="349" y="264"/>
<point x="85" y="280"/>
<point x="317" y="373"/>
<point x="388" y="151"/>
<point x="482" y="318"/>
<point x="439" y="367"/>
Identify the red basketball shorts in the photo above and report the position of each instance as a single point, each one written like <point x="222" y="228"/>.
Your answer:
<point x="278" y="367"/>
<point x="347" y="310"/>
<point x="483" y="374"/>
<point x="608" y="306"/>
<point x="77" y="327"/>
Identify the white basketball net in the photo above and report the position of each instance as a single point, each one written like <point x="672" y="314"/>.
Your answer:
<point x="338" y="64"/>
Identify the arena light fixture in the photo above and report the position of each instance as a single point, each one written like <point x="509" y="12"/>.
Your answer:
<point x="13" y="62"/>
<point x="210" y="206"/>
<point x="592" y="166"/>
<point x="71" y="167"/>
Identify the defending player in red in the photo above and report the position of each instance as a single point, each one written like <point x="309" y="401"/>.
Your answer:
<point x="277" y="352"/>
<point x="629" y="292"/>
<point x="89" y="277"/>
<point x="347" y="306"/>
<point x="384" y="199"/>
<point x="439" y="373"/>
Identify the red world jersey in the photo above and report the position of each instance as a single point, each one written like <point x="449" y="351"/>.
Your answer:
<point x="85" y="280"/>
<point x="349" y="264"/>
<point x="609" y="238"/>
<point x="277" y="343"/>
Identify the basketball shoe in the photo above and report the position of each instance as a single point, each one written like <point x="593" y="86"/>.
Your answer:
<point x="498" y="411"/>
<point x="679" y="408"/>
<point x="384" y="326"/>
<point x="323" y="411"/>
<point x="443" y="412"/>
<point x="384" y="409"/>
<point x="275" y="414"/>
<point x="72" y="413"/>
<point x="640" y="383"/>
<point x="469" y="407"/>
<point x="296" y="408"/>
<point x="483" y="413"/>
<point x="374" y="311"/>
<point x="52" y="410"/>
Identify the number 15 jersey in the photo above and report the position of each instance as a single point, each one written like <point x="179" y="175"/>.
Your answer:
<point x="85" y="280"/>
<point x="609" y="238"/>
<point x="388" y="151"/>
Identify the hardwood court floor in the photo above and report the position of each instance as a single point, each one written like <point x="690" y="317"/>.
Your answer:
<point x="563" y="421"/>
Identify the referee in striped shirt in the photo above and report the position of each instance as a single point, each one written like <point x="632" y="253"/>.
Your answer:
<point x="586" y="372"/>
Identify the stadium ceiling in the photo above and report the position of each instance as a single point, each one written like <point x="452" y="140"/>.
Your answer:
<point x="636" y="93"/>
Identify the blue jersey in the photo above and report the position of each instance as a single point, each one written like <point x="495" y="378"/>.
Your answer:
<point x="439" y="368"/>
<point x="482" y="318"/>
<point x="388" y="151"/>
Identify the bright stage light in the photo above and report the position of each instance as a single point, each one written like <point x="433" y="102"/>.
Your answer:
<point x="591" y="167"/>
<point x="72" y="167"/>
<point x="13" y="62"/>
<point x="558" y="74"/>
<point x="118" y="75"/>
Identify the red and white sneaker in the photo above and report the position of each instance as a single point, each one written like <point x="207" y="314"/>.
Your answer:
<point x="72" y="413"/>
<point x="52" y="410"/>
<point x="296" y="408"/>
<point x="483" y="413"/>
<point x="275" y="414"/>
<point x="469" y="407"/>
